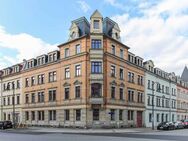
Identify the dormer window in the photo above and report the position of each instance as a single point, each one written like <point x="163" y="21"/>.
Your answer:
<point x="50" y="58"/>
<point x="43" y="60"/>
<point x="73" y="35"/>
<point x="54" y="56"/>
<point x="117" y="36"/>
<point x="96" y="24"/>
<point x="39" y="61"/>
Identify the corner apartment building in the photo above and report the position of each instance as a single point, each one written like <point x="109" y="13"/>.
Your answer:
<point x="11" y="90"/>
<point x="160" y="90"/>
<point x="85" y="83"/>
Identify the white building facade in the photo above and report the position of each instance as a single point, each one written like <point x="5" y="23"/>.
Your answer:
<point x="11" y="89"/>
<point x="160" y="99"/>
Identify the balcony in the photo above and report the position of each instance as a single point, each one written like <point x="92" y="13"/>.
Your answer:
<point x="96" y="100"/>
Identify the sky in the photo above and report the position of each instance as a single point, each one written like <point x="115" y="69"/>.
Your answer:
<point x="153" y="29"/>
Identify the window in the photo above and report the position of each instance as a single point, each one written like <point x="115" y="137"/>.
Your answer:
<point x="130" y="95"/>
<point x="32" y="81"/>
<point x="113" y="71"/>
<point x="120" y="114"/>
<point x="96" y="44"/>
<point x="27" y="98"/>
<point x="52" y="76"/>
<point x="52" y="114"/>
<point x="77" y="70"/>
<point x="40" y="96"/>
<point x="78" y="115"/>
<point x="77" y="91"/>
<point x="112" y="115"/>
<point x="27" y="82"/>
<point x="26" y="115"/>
<point x="121" y="74"/>
<point x="96" y="24"/>
<point x="95" y="114"/>
<point x="67" y="73"/>
<point x="67" y="52"/>
<point x="40" y="115"/>
<point x="158" y="115"/>
<point x="18" y="99"/>
<point x="67" y="90"/>
<point x="96" y="67"/>
<point x="78" y="49"/>
<point x="50" y="58"/>
<point x="113" y="92"/>
<point x="52" y="95"/>
<point x="66" y="114"/>
<point x="33" y="98"/>
<point x="54" y="56"/>
<point x="121" y="53"/>
<point x="150" y="117"/>
<point x="4" y="116"/>
<point x="41" y="79"/>
<point x="140" y="97"/>
<point x="32" y="115"/>
<point x="130" y="115"/>
<point x="18" y="84"/>
<point x="4" y="101"/>
<point x="121" y="93"/>
<point x="8" y="99"/>
<point x="113" y="50"/>
<point x="149" y="84"/>
<point x="96" y="90"/>
<point x="130" y="77"/>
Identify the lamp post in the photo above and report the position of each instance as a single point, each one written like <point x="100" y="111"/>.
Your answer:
<point x="153" y="124"/>
<point x="13" y="103"/>
<point x="153" y="108"/>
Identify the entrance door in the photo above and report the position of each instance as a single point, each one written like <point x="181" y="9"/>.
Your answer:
<point x="139" y="119"/>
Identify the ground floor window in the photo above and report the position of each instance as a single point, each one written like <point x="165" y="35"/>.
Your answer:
<point x="166" y="117"/>
<point x="95" y="114"/>
<point x="130" y="115"/>
<point x="158" y="117"/>
<point x="40" y="115"/>
<point x="120" y="114"/>
<point x="150" y="117"/>
<point x="32" y="115"/>
<point x="112" y="111"/>
<point x="52" y="115"/>
<point x="173" y="117"/>
<point x="78" y="115"/>
<point x="66" y="114"/>
<point x="26" y="115"/>
<point x="5" y="116"/>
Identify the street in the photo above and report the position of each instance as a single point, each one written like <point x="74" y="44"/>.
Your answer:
<point x="175" y="135"/>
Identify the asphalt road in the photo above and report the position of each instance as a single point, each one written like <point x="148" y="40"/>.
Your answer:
<point x="176" y="135"/>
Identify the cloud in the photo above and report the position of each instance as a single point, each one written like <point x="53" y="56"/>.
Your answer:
<point x="84" y="6"/>
<point x="26" y="46"/>
<point x="160" y="33"/>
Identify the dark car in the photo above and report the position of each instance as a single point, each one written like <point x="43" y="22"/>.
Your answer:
<point x="179" y="125"/>
<point x="166" y="126"/>
<point x="5" y="124"/>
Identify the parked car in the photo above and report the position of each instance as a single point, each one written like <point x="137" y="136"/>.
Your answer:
<point x="166" y="126"/>
<point x="5" y="124"/>
<point x="185" y="123"/>
<point x="179" y="125"/>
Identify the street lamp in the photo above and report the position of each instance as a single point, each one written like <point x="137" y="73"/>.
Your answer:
<point x="153" y="110"/>
<point x="13" y="103"/>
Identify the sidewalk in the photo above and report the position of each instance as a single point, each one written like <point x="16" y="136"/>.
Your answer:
<point x="77" y="131"/>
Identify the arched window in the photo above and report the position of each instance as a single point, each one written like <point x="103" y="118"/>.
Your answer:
<point x="73" y="35"/>
<point x="96" y="90"/>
